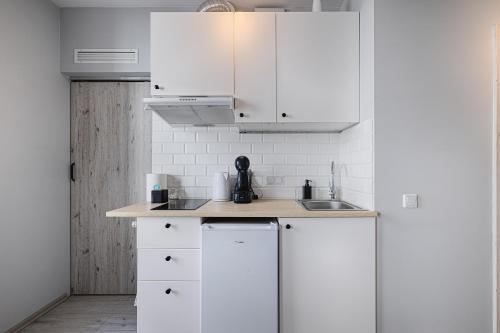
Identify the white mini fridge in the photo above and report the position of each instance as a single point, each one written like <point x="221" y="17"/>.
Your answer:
<point x="239" y="278"/>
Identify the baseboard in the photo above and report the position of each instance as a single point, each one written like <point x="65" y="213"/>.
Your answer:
<point x="43" y="310"/>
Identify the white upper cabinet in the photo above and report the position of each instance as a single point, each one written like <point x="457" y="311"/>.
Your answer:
<point x="192" y="54"/>
<point x="255" y="67"/>
<point x="317" y="67"/>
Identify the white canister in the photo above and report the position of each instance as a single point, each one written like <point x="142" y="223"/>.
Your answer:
<point x="155" y="181"/>
<point x="220" y="187"/>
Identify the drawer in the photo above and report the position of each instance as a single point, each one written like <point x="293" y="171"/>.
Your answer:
<point x="165" y="264"/>
<point x="177" y="311"/>
<point x="168" y="233"/>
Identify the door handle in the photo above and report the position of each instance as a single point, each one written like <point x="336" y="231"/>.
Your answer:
<point x="72" y="172"/>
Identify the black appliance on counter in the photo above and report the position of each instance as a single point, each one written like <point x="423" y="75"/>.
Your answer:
<point x="182" y="204"/>
<point x="242" y="190"/>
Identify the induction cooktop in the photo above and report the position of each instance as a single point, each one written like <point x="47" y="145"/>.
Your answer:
<point x="182" y="204"/>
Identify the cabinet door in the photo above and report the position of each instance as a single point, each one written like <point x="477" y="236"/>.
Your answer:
<point x="255" y="67"/>
<point x="328" y="275"/>
<point x="168" y="306"/>
<point x="192" y="54"/>
<point x="168" y="233"/>
<point x="318" y="67"/>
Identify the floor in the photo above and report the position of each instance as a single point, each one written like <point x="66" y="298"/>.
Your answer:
<point x="85" y="314"/>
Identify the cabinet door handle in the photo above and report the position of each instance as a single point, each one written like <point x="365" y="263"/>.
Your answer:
<point x="168" y="225"/>
<point x="72" y="172"/>
<point x="242" y="115"/>
<point x="168" y="258"/>
<point x="168" y="291"/>
<point x="283" y="115"/>
<point x="288" y="226"/>
<point x="157" y="87"/>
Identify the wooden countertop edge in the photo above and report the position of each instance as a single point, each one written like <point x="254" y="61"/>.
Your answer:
<point x="260" y="208"/>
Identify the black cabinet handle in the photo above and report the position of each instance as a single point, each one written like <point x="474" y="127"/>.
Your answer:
<point x="157" y="87"/>
<point x="168" y="258"/>
<point x="283" y="115"/>
<point x="168" y="225"/>
<point x="242" y="115"/>
<point x="72" y="172"/>
<point x="168" y="291"/>
<point x="288" y="226"/>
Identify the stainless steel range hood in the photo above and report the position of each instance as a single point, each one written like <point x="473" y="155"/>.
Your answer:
<point x="193" y="110"/>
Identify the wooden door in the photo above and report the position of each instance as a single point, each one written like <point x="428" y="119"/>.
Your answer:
<point x="255" y="67"/>
<point x="327" y="272"/>
<point x="192" y="54"/>
<point x="317" y="67"/>
<point x="111" y="152"/>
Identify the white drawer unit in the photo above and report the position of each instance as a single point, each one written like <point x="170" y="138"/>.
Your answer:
<point x="168" y="306"/>
<point x="168" y="264"/>
<point x="168" y="233"/>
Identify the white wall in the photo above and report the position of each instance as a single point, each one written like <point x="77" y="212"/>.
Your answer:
<point x="191" y="155"/>
<point x="433" y="106"/>
<point x="34" y="150"/>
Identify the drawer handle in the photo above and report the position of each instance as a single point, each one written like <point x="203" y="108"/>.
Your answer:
<point x="168" y="258"/>
<point x="168" y="291"/>
<point x="288" y="226"/>
<point x="168" y="225"/>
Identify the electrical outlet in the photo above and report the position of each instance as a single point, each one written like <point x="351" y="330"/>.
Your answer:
<point x="275" y="180"/>
<point x="410" y="200"/>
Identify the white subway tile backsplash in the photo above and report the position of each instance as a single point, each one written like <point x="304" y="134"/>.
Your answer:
<point x="211" y="169"/>
<point x="218" y="147"/>
<point x="195" y="170"/>
<point x="229" y="137"/>
<point x="184" y="137"/>
<point x="287" y="148"/>
<point x="198" y="148"/>
<point x="206" y="159"/>
<point x="273" y="138"/>
<point x="251" y="137"/>
<point x="191" y="155"/>
<point x="173" y="170"/>
<point x="296" y="159"/>
<point x="173" y="148"/>
<point x="263" y="148"/>
<point x="184" y="159"/>
<point x="240" y="148"/>
<point x="273" y="159"/>
<point x="207" y="137"/>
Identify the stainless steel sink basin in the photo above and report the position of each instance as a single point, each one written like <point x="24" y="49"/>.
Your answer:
<point x="327" y="205"/>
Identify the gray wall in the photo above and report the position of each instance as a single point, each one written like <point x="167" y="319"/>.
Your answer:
<point x="104" y="28"/>
<point x="34" y="150"/>
<point x="433" y="107"/>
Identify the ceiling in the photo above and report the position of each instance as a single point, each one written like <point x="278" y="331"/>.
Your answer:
<point x="191" y="5"/>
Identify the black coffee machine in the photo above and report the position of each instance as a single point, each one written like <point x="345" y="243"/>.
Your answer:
<point x="242" y="189"/>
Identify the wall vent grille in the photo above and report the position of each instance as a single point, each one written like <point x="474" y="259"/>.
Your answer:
<point x="106" y="56"/>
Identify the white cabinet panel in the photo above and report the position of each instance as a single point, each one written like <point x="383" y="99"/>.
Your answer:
<point x="192" y="54"/>
<point x="255" y="67"/>
<point x="328" y="275"/>
<point x="168" y="264"/>
<point x="317" y="67"/>
<point x="168" y="306"/>
<point x="168" y="233"/>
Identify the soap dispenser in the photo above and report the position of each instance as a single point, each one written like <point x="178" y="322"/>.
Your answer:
<point x="307" y="190"/>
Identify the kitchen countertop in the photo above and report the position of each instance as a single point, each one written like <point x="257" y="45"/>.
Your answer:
<point x="258" y="208"/>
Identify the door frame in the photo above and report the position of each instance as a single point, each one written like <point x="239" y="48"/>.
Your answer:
<point x="495" y="167"/>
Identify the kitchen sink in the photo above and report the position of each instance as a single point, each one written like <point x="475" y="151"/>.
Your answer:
<point x="327" y="205"/>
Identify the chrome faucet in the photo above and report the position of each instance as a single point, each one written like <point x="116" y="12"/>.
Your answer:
<point x="333" y="190"/>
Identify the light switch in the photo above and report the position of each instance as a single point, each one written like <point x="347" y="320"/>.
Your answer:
<point x="410" y="200"/>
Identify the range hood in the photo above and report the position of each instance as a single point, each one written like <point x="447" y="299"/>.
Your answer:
<point x="193" y="110"/>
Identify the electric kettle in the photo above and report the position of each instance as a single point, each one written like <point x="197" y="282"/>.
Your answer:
<point x="220" y="187"/>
